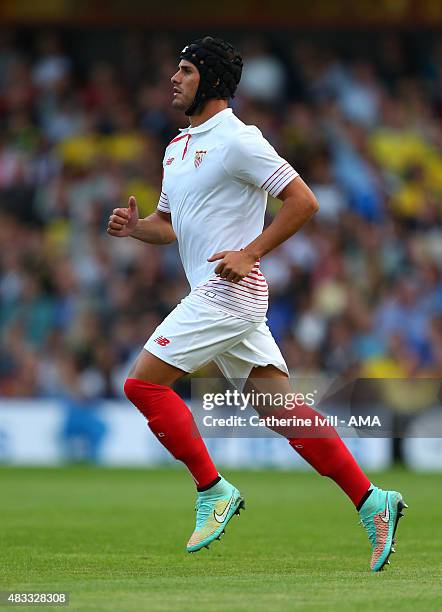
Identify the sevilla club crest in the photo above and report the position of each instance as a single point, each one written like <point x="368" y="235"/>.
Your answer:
<point x="199" y="155"/>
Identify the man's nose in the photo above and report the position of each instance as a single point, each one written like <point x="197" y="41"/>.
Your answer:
<point x="175" y="78"/>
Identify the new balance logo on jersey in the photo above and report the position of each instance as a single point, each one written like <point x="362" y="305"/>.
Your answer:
<point x="199" y="157"/>
<point x="162" y="341"/>
<point x="169" y="161"/>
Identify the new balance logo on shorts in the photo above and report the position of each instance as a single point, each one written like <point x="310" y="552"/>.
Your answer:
<point x="162" y="341"/>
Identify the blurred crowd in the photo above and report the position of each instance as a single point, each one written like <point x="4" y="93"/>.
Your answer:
<point x="358" y="292"/>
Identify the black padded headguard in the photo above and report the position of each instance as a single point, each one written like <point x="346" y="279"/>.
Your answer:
<point x="220" y="68"/>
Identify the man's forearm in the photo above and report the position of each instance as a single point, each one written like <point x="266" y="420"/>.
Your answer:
<point x="293" y="214"/>
<point x="154" y="229"/>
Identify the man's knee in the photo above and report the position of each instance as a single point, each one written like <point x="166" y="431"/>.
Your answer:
<point x="144" y="393"/>
<point x="150" y="368"/>
<point x="131" y="389"/>
<point x="268" y="371"/>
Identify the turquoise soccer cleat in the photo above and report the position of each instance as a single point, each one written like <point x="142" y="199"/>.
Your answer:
<point x="214" y="509"/>
<point x="380" y="515"/>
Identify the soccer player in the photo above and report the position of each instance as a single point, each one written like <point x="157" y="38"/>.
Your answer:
<point x="216" y="176"/>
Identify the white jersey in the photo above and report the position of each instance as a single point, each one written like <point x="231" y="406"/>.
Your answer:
<point x="215" y="183"/>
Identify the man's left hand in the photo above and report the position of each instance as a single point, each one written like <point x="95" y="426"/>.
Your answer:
<point x="234" y="265"/>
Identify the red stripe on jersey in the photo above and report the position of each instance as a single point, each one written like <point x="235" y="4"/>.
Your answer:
<point x="255" y="292"/>
<point x="252" y="283"/>
<point x="242" y="291"/>
<point x="178" y="138"/>
<point x="280" y="175"/>
<point x="188" y="136"/>
<point x="239" y="311"/>
<point x="267" y="180"/>
<point x="235" y="301"/>
<point x="245" y="306"/>
<point x="259" y="284"/>
<point x="260" y="277"/>
<point x="249" y="283"/>
<point x="246" y="288"/>
<point x="277" y="188"/>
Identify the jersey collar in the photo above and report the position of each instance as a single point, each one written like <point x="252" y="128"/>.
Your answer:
<point x="209" y="124"/>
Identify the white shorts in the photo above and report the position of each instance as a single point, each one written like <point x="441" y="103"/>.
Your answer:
<point x="196" y="333"/>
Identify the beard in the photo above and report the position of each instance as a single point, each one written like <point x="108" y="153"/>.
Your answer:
<point x="180" y="103"/>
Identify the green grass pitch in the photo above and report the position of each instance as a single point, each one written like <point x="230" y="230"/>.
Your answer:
<point x="115" y="540"/>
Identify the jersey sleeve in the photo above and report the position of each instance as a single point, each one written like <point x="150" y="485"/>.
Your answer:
<point x="249" y="157"/>
<point x="163" y="203"/>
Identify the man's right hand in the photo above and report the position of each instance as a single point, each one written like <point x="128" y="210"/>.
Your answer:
<point x="122" y="221"/>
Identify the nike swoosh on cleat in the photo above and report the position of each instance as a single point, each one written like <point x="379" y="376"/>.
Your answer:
<point x="220" y="518"/>
<point x="386" y="516"/>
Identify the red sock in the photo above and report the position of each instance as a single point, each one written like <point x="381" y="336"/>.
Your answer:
<point x="330" y="457"/>
<point x="173" y="424"/>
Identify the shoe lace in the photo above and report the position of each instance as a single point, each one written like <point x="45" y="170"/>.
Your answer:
<point x="204" y="508"/>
